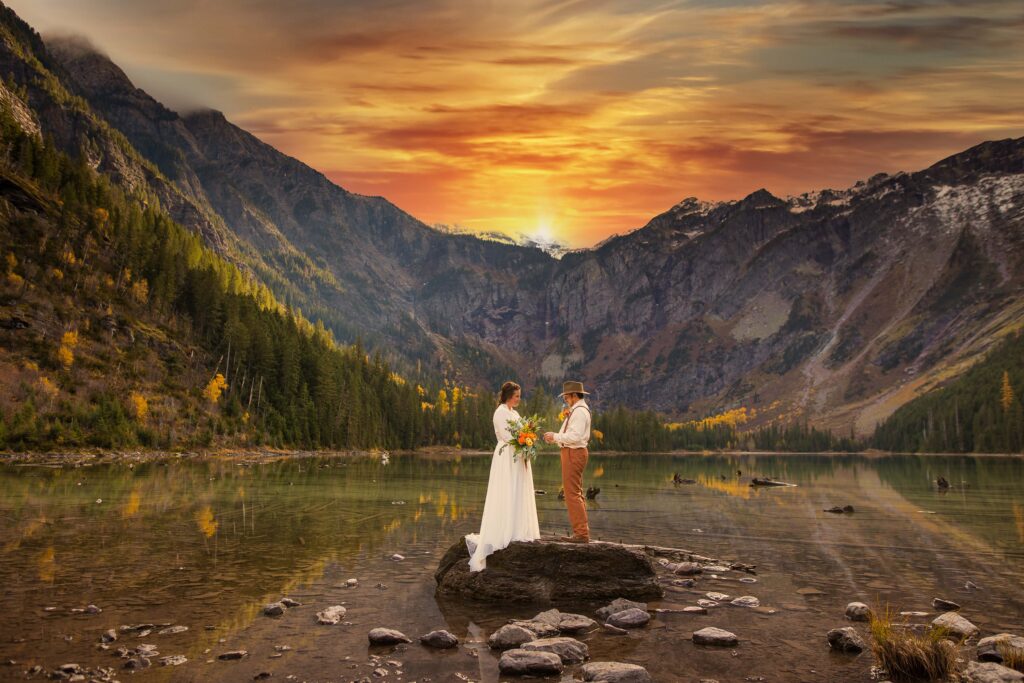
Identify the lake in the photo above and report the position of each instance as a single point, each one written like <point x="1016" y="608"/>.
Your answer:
<point x="205" y="543"/>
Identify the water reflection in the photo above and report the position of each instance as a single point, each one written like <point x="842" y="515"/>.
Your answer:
<point x="206" y="543"/>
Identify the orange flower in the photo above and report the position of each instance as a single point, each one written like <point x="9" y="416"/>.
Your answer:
<point x="522" y="438"/>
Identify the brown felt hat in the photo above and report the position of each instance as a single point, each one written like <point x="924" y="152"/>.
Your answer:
<point x="573" y="388"/>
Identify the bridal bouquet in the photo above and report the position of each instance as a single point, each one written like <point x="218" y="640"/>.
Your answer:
<point x="525" y="435"/>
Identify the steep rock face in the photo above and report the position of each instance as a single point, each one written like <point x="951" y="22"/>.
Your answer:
<point x="73" y="126"/>
<point x="837" y="306"/>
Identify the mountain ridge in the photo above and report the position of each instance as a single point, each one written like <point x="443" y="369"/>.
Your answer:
<point x="834" y="306"/>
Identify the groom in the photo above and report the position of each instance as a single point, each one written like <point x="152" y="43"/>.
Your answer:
<point x="573" y="438"/>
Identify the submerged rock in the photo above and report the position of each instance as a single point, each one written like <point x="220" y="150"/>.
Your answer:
<point x="529" y="663"/>
<point x="615" y="672"/>
<point x="845" y="640"/>
<point x="746" y="601"/>
<point x="233" y="654"/>
<point x="540" y="571"/>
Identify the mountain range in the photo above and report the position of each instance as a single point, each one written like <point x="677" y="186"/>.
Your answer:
<point x="835" y="306"/>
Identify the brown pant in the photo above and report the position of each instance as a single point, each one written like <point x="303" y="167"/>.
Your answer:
<point x="574" y="460"/>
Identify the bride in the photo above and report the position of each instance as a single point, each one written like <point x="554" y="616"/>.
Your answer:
<point x="510" y="510"/>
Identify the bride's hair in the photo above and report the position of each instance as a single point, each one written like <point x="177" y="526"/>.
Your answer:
<point x="508" y="389"/>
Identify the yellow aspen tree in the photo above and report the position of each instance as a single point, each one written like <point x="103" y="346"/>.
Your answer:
<point x="1006" y="395"/>
<point x="215" y="388"/>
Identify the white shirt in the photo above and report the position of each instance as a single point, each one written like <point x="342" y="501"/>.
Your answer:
<point x="575" y="431"/>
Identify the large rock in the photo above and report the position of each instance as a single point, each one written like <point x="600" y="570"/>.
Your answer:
<point x="331" y="616"/>
<point x="529" y="663"/>
<point x="990" y="649"/>
<point x="615" y="672"/>
<point x="955" y="624"/>
<point x="542" y="571"/>
<point x="845" y="640"/>
<point x="570" y="650"/>
<point x="990" y="672"/>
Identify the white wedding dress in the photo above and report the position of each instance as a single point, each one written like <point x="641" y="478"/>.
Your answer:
<point x="510" y="509"/>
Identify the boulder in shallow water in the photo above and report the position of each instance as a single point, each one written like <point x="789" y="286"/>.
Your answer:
<point x="955" y="624"/>
<point x="845" y="640"/>
<point x="540" y="629"/>
<point x="858" y="611"/>
<point x="615" y="672"/>
<point x="991" y="649"/>
<point x="543" y="571"/>
<point x="715" y="636"/>
<point x="630" y="618"/>
<point x="528" y="663"/>
<point x="510" y="636"/>
<point x="441" y="640"/>
<point x="386" y="636"/>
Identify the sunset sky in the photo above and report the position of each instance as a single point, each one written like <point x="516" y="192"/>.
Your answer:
<point x="576" y="119"/>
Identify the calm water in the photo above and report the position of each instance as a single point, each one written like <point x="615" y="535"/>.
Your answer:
<point x="206" y="543"/>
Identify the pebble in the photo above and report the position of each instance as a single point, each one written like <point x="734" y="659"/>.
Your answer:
<point x="397" y="558"/>
<point x="288" y="602"/>
<point x="171" y="630"/>
<point x="173" y="660"/>
<point x="707" y="603"/>
<point x="687" y="569"/>
<point x="109" y="636"/>
<point x="717" y="597"/>
<point x="352" y="583"/>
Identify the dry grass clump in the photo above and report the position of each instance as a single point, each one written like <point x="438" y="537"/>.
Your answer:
<point x="1013" y="657"/>
<point x="909" y="656"/>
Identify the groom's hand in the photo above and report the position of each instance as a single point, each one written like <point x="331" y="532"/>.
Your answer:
<point x="549" y="437"/>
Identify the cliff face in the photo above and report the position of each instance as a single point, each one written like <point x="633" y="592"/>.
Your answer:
<point x="834" y="305"/>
